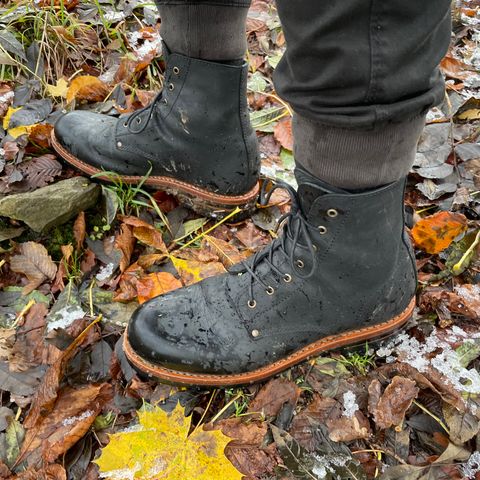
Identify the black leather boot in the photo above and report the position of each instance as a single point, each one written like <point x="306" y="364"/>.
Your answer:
<point x="341" y="272"/>
<point x="196" y="136"/>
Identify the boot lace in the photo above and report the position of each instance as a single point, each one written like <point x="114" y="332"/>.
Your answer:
<point x="296" y="233"/>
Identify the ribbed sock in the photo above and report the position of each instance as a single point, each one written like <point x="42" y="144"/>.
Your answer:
<point x="356" y="159"/>
<point x="208" y="32"/>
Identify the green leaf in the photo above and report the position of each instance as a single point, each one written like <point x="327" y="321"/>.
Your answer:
<point x="468" y="351"/>
<point x="287" y="159"/>
<point x="257" y="83"/>
<point x="14" y="437"/>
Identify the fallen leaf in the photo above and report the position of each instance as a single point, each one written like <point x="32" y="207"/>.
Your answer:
<point x="58" y="90"/>
<point x="283" y="133"/>
<point x="395" y="401"/>
<point x="35" y="263"/>
<point x="69" y="420"/>
<point x="436" y="232"/>
<point x="156" y="284"/>
<point x="272" y="396"/>
<point x="40" y="135"/>
<point x="226" y="252"/>
<point x="145" y="232"/>
<point x="192" y="271"/>
<point x="161" y="446"/>
<point x="125" y="241"/>
<point x="128" y="283"/>
<point x="454" y="68"/>
<point x="88" y="88"/>
<point x="79" y="230"/>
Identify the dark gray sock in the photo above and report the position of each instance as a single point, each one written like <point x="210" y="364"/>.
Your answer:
<point x="209" y="32"/>
<point x="356" y="159"/>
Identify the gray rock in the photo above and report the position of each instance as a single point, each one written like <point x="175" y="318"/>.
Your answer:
<point x="51" y="205"/>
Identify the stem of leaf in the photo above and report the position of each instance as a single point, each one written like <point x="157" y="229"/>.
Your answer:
<point x="428" y="412"/>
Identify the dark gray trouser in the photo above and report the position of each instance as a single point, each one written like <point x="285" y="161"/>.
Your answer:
<point x="360" y="75"/>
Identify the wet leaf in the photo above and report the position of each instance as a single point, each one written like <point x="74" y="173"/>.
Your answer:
<point x="160" y="446"/>
<point x="34" y="262"/>
<point x="436" y="232"/>
<point x="395" y="401"/>
<point x="40" y="135"/>
<point x="9" y="42"/>
<point x="87" y="88"/>
<point x="463" y="426"/>
<point x="272" y="396"/>
<point x="156" y="284"/>
<point x="58" y="90"/>
<point x="283" y="133"/>
<point x="125" y="241"/>
<point x="192" y="271"/>
<point x="79" y="230"/>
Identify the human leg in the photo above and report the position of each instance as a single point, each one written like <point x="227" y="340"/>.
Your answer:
<point x="196" y="135"/>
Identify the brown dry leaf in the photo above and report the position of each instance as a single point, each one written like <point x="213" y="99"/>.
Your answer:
<point x="272" y="396"/>
<point x="35" y="263"/>
<point x="69" y="420"/>
<point x="128" y="283"/>
<point x="156" y="284"/>
<point x="46" y="394"/>
<point x="79" y="230"/>
<point x="145" y="232"/>
<point x="11" y="149"/>
<point x="146" y="261"/>
<point x="87" y="88"/>
<point x="192" y="271"/>
<point x="436" y="232"/>
<point x="125" y="242"/>
<point x="226" y="252"/>
<point x="53" y="471"/>
<point x="395" y="401"/>
<point x="455" y="68"/>
<point x="345" y="429"/>
<point x="252" y="237"/>
<point x="29" y="347"/>
<point x="283" y="133"/>
<point x="246" y="451"/>
<point x="40" y="135"/>
<point x="7" y="340"/>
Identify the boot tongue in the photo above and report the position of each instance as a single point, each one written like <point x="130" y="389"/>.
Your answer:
<point x="310" y="188"/>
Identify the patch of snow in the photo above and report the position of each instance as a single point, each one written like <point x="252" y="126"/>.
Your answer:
<point x="65" y="317"/>
<point x="123" y="473"/>
<point x="350" y="405"/>
<point x="105" y="272"/>
<point x="78" y="418"/>
<point x="143" y="47"/>
<point x="114" y="16"/>
<point x="159" y="466"/>
<point x="133" y="428"/>
<point x="325" y="464"/>
<point x="6" y="97"/>
<point x="472" y="467"/>
<point x="435" y="353"/>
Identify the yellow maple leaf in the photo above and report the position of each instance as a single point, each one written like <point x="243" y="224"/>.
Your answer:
<point x="58" y="90"/>
<point x="161" y="449"/>
<point x="15" y="131"/>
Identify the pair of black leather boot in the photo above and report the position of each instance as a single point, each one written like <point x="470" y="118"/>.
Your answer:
<point x="341" y="272"/>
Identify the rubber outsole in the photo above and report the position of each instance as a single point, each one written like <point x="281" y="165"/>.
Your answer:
<point x="198" y="199"/>
<point x="332" y="342"/>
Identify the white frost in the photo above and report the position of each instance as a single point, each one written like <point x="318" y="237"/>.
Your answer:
<point x="472" y="467"/>
<point x="122" y="474"/>
<point x="325" y="464"/>
<point x="350" y="405"/>
<point x="435" y="353"/>
<point x="65" y="317"/>
<point x="78" y="418"/>
<point x="143" y="47"/>
<point x="105" y="272"/>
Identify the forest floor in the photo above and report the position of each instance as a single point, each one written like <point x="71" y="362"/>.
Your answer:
<point x="77" y="258"/>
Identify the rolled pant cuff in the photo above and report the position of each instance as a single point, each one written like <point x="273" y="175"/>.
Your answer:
<point x="356" y="159"/>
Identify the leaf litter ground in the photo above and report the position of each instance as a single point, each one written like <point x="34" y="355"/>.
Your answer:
<point x="71" y="408"/>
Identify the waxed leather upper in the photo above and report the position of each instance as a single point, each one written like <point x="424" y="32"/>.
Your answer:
<point x="364" y="274"/>
<point x="196" y="130"/>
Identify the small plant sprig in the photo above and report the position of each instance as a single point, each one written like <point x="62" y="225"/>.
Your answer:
<point x="359" y="362"/>
<point x="127" y="194"/>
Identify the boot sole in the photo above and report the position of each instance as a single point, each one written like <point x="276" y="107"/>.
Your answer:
<point x="332" y="342"/>
<point x="198" y="199"/>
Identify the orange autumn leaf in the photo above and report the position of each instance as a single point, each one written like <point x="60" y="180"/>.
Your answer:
<point x="87" y="87"/>
<point x="156" y="284"/>
<point x="435" y="233"/>
<point x="283" y="133"/>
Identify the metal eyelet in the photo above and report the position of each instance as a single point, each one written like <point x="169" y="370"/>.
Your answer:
<point x="176" y="70"/>
<point x="322" y="230"/>
<point x="171" y="86"/>
<point x="287" y="278"/>
<point x="139" y="120"/>
<point x="270" y="290"/>
<point x="164" y="101"/>
<point x="255" y="333"/>
<point x="332" y="213"/>
<point x="314" y="247"/>
<point x="125" y="124"/>
<point x="299" y="264"/>
<point x="119" y="144"/>
<point x="252" y="303"/>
